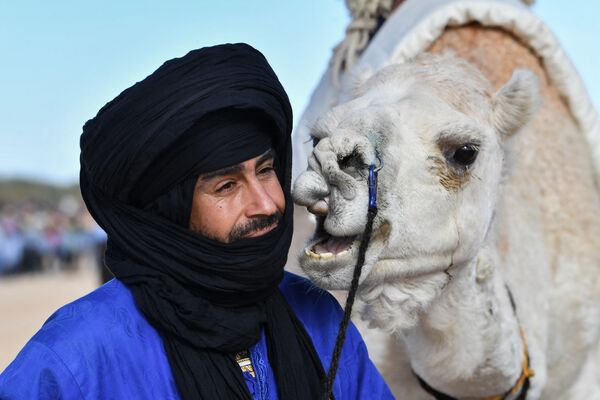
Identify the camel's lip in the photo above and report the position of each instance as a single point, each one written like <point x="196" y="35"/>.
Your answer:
<point x="325" y="246"/>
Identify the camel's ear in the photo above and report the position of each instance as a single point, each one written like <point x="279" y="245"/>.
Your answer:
<point x="516" y="102"/>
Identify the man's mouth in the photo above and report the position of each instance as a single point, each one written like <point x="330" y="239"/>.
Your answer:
<point x="256" y="227"/>
<point x="262" y="231"/>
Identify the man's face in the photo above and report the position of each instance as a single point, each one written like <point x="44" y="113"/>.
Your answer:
<point x="237" y="202"/>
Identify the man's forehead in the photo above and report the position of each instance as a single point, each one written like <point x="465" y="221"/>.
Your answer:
<point x="237" y="168"/>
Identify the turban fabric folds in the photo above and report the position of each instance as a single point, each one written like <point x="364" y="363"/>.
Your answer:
<point x="140" y="157"/>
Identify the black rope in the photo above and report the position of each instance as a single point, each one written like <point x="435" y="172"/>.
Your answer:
<point x="436" y="394"/>
<point x="341" y="337"/>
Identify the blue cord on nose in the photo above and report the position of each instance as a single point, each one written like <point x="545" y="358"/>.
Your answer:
<point x="372" y="187"/>
<point x="373" y="171"/>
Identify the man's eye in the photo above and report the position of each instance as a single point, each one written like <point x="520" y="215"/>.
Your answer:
<point x="225" y="187"/>
<point x="266" y="170"/>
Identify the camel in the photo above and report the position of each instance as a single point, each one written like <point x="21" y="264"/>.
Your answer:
<point x="484" y="263"/>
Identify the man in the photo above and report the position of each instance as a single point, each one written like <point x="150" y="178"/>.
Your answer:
<point x="188" y="172"/>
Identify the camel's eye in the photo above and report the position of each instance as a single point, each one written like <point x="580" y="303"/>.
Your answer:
<point x="315" y="140"/>
<point x="465" y="155"/>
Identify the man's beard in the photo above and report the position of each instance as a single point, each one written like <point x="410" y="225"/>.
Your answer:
<point x="255" y="224"/>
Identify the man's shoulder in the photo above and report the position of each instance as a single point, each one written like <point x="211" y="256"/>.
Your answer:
<point x="98" y="317"/>
<point x="318" y="310"/>
<point x="99" y="346"/>
<point x="301" y="292"/>
<point x="321" y="314"/>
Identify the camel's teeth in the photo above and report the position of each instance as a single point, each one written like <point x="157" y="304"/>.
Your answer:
<point x="311" y="254"/>
<point x="342" y="253"/>
<point x="326" y="256"/>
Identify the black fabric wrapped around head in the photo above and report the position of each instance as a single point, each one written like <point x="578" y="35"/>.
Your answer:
<point x="139" y="159"/>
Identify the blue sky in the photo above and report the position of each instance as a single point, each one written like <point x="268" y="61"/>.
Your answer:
<point x="63" y="60"/>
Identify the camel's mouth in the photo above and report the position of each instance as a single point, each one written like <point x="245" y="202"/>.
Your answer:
<point x="329" y="259"/>
<point x="325" y="246"/>
<point x="329" y="247"/>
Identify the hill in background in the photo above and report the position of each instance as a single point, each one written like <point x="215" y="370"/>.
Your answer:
<point x="18" y="191"/>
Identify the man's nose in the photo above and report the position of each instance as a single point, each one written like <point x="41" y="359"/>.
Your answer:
<point x="260" y="200"/>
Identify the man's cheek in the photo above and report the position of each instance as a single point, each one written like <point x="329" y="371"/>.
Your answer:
<point x="278" y="197"/>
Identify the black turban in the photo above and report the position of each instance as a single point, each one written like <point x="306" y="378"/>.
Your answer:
<point x="140" y="157"/>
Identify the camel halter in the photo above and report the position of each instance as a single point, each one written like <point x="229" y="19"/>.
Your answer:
<point x="360" y="261"/>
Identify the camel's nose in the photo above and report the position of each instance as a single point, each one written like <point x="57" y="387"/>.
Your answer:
<point x="321" y="207"/>
<point x="311" y="190"/>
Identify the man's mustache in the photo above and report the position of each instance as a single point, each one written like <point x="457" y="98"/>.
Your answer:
<point x="254" y="225"/>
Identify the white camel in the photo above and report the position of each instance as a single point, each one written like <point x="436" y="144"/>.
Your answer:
<point x="472" y="210"/>
<point x="543" y="238"/>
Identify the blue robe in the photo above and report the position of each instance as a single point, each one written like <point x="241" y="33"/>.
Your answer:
<point x="101" y="347"/>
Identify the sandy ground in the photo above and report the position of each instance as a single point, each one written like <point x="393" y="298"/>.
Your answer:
<point x="27" y="301"/>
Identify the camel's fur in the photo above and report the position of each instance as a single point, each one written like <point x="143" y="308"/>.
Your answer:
<point x="551" y="165"/>
<point x="445" y="244"/>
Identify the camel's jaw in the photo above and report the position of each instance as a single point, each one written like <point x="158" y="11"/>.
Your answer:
<point x="330" y="260"/>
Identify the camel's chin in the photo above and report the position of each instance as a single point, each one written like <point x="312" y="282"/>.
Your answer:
<point x="330" y="276"/>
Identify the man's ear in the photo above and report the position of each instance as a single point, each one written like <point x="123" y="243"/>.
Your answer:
<point x="516" y="102"/>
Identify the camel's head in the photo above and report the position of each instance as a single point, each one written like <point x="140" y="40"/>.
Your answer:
<point x="439" y="131"/>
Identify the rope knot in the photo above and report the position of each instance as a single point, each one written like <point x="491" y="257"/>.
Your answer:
<point x="361" y="26"/>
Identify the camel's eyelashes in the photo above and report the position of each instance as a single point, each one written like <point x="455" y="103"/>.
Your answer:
<point x="465" y="155"/>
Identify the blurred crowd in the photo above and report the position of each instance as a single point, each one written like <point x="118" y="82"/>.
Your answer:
<point x="37" y="237"/>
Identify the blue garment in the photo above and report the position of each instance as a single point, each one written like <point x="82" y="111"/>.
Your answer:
<point x="101" y="347"/>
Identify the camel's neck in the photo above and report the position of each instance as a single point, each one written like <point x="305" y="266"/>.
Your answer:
<point x="465" y="340"/>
